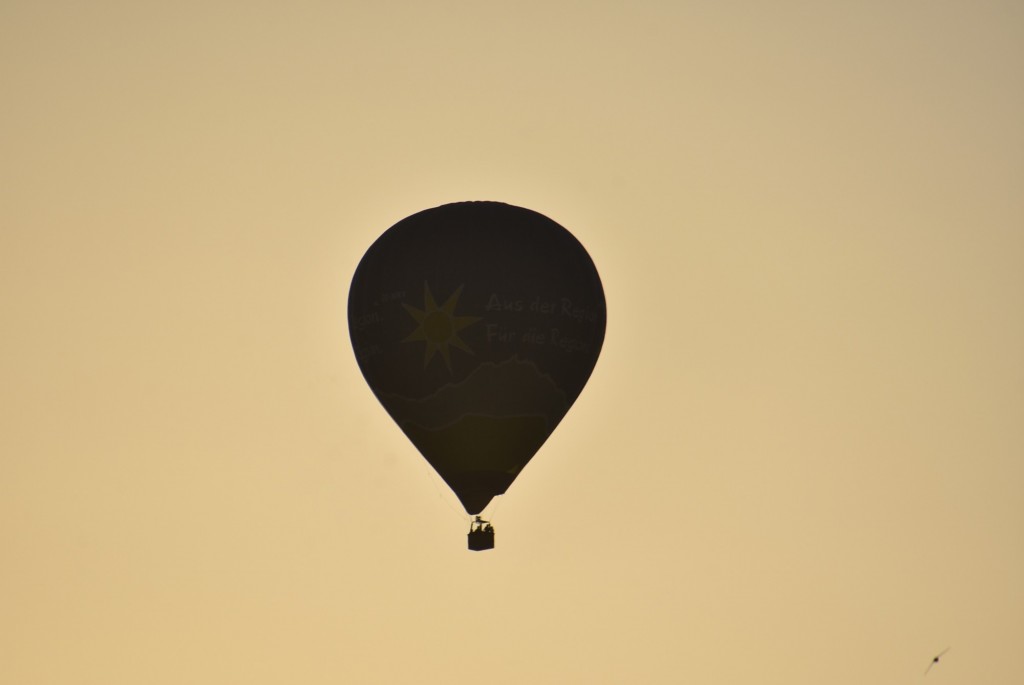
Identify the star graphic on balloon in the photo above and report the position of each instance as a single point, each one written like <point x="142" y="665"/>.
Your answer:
<point x="439" y="326"/>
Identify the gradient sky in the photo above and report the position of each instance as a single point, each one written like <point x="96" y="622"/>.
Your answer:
<point x="799" y="461"/>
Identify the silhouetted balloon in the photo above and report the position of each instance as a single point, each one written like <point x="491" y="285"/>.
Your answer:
<point x="476" y="325"/>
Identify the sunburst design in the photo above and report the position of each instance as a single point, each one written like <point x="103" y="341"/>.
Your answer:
<point x="439" y="327"/>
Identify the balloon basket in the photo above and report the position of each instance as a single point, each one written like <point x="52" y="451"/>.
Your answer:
<point x="481" y="535"/>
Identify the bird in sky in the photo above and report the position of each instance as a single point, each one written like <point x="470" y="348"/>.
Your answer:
<point x="935" y="660"/>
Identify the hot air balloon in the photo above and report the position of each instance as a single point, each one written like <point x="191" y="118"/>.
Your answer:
<point x="476" y="325"/>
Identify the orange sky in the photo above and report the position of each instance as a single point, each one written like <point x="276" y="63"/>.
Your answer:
<point x="800" y="459"/>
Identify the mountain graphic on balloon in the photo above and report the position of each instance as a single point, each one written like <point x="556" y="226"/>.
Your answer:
<point x="477" y="325"/>
<point x="458" y="424"/>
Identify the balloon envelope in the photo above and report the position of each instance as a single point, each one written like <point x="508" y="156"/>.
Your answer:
<point x="476" y="325"/>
